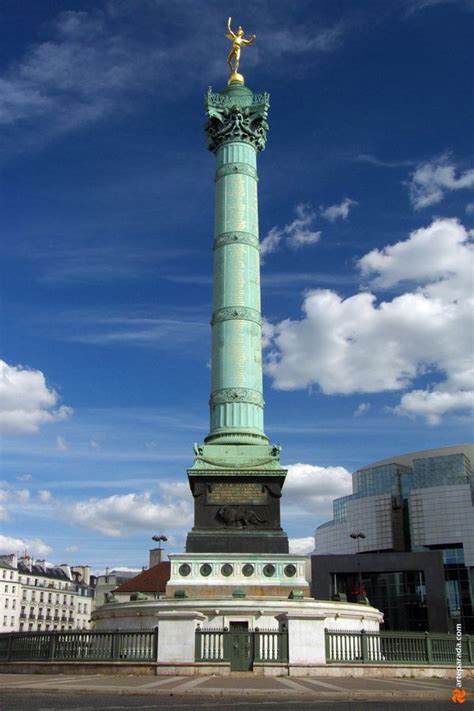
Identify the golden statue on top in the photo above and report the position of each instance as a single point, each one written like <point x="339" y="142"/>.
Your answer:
<point x="233" y="60"/>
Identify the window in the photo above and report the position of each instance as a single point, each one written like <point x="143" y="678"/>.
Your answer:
<point x="27" y="581"/>
<point x="4" y="574"/>
<point x="50" y="597"/>
<point x="13" y="588"/>
<point x="7" y="601"/>
<point x="13" y="604"/>
<point x="6" y="588"/>
<point x="5" y="621"/>
<point x="21" y="626"/>
<point x="12" y="621"/>
<point x="41" y="596"/>
<point x="33" y="596"/>
<point x="11" y="575"/>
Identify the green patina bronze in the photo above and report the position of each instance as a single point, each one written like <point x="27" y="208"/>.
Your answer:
<point x="236" y="447"/>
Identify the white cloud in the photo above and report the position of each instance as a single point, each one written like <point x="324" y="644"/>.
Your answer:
<point x="72" y="549"/>
<point x="295" y="234"/>
<point x="129" y="513"/>
<point x="438" y="258"/>
<point x="23" y="496"/>
<point x="362" y="409"/>
<point x="301" y="546"/>
<point x="341" y="210"/>
<point x="61" y="445"/>
<point x="44" y="496"/>
<point x="34" y="546"/>
<point x="432" y="179"/>
<point x="24" y="477"/>
<point x="311" y="489"/>
<point x="26" y="401"/>
<point x="358" y="345"/>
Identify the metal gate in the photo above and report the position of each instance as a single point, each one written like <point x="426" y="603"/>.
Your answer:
<point x="241" y="648"/>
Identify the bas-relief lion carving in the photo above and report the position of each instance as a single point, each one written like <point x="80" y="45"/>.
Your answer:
<point x="238" y="517"/>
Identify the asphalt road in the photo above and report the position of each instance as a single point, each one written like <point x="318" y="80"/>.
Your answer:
<point x="19" y="701"/>
<point x="51" y="692"/>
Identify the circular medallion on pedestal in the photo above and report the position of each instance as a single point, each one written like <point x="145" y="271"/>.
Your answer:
<point x="205" y="569"/>
<point x="269" y="570"/>
<point x="290" y="570"/>
<point x="184" y="569"/>
<point x="227" y="569"/>
<point x="248" y="570"/>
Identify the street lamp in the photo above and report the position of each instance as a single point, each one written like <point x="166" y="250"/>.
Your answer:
<point x="357" y="535"/>
<point x="159" y="538"/>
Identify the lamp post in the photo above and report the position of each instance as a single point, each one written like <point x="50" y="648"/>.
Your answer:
<point x="159" y="538"/>
<point x="357" y="535"/>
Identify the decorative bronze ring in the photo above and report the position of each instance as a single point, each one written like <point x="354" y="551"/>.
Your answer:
<point x="248" y="570"/>
<point x="227" y="569"/>
<point x="290" y="570"/>
<point x="205" y="569"/>
<point x="184" y="569"/>
<point x="269" y="570"/>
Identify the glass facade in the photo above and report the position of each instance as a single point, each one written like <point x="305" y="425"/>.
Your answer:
<point x="459" y="591"/>
<point x="401" y="596"/>
<point x="426" y="503"/>
<point x="440" y="471"/>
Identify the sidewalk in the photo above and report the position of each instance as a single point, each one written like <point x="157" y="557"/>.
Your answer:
<point x="238" y="685"/>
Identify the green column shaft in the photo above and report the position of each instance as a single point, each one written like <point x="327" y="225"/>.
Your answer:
<point x="236" y="398"/>
<point x="236" y="402"/>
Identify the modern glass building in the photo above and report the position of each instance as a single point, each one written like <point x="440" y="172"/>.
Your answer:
<point x="417" y="503"/>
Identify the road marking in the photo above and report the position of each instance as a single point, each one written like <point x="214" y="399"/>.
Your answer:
<point x="414" y="682"/>
<point x="152" y="684"/>
<point x="292" y="684"/>
<point x="190" y="684"/>
<point x="325" y="684"/>
<point x="40" y="681"/>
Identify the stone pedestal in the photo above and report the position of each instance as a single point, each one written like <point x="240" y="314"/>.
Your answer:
<point x="176" y="635"/>
<point x="306" y="636"/>
<point x="237" y="575"/>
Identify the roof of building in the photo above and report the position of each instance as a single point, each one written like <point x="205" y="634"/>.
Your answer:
<point x="153" y="579"/>
<point x="408" y="458"/>
<point x="47" y="572"/>
<point x="4" y="563"/>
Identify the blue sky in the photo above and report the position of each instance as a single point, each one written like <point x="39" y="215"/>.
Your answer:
<point x="366" y="211"/>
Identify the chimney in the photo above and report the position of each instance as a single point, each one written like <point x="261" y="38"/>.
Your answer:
<point x="156" y="556"/>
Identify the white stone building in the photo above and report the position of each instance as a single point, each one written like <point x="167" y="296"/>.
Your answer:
<point x="9" y="593"/>
<point x="37" y="596"/>
<point x="54" y="597"/>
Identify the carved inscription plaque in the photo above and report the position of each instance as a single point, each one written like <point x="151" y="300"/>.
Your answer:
<point x="236" y="493"/>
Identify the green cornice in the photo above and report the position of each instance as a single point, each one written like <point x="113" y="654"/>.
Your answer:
<point x="236" y="115"/>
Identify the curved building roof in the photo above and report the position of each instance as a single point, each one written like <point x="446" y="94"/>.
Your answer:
<point x="407" y="459"/>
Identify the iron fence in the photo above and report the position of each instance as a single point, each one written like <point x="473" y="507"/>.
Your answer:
<point x="90" y="646"/>
<point x="352" y="647"/>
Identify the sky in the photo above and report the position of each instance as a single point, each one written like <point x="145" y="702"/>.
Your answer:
<point x="366" y="199"/>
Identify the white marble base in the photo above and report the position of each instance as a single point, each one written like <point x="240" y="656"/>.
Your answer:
<point x="237" y="570"/>
<point x="306" y="621"/>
